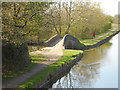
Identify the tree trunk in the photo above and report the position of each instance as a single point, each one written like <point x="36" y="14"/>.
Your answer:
<point x="38" y="37"/>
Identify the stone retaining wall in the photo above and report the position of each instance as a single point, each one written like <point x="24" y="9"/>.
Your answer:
<point x="64" y="69"/>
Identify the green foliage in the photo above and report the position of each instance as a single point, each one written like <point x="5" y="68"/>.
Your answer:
<point x="14" y="57"/>
<point x="107" y="26"/>
<point x="116" y="19"/>
<point x="22" y="19"/>
<point x="91" y="42"/>
<point x="111" y="20"/>
<point x="89" y="18"/>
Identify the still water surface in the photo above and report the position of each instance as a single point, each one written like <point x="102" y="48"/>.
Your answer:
<point x="97" y="69"/>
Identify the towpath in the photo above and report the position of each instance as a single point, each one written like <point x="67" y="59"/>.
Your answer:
<point x="100" y="35"/>
<point x="52" y="55"/>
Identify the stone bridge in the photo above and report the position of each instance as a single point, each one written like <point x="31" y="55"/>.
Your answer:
<point x="68" y="41"/>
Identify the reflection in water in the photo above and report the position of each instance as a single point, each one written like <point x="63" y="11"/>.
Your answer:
<point x="88" y="71"/>
<point x="94" y="55"/>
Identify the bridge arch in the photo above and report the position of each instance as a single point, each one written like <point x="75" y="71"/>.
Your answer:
<point x="68" y="45"/>
<point x="69" y="41"/>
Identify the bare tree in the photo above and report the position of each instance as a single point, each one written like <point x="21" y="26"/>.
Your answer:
<point x="68" y="9"/>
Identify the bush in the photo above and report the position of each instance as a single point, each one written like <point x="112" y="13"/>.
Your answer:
<point x="14" y="57"/>
<point x="107" y="26"/>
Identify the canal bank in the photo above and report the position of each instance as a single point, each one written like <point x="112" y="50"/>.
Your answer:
<point x="66" y="68"/>
<point x="98" y="68"/>
<point x="63" y="70"/>
<point x="97" y="44"/>
<point x="53" y="76"/>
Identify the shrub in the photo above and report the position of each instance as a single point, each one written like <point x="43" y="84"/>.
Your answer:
<point x="14" y="57"/>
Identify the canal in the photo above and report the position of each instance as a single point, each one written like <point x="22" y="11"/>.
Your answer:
<point x="97" y="69"/>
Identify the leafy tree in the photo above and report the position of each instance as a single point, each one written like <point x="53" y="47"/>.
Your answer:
<point x="116" y="19"/>
<point x="21" y="19"/>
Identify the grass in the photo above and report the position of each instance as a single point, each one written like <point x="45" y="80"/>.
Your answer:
<point x="103" y="32"/>
<point x="95" y="41"/>
<point x="68" y="55"/>
<point x="79" y="44"/>
<point x="37" y="58"/>
<point x="16" y="73"/>
<point x="34" y="59"/>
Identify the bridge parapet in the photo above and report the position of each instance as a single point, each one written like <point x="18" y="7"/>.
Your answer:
<point x="52" y="40"/>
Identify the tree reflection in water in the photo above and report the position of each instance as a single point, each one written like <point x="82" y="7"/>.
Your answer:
<point x="86" y="72"/>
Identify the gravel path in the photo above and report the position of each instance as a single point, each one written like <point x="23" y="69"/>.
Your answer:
<point x="52" y="55"/>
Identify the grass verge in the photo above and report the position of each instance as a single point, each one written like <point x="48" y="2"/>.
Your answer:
<point x="37" y="58"/>
<point x="95" y="41"/>
<point x="68" y="55"/>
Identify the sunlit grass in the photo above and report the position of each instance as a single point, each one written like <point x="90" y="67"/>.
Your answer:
<point x="69" y="52"/>
<point x="37" y="58"/>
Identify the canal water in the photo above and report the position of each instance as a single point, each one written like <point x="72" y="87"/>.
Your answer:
<point x="97" y="69"/>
